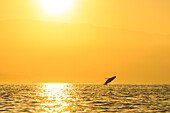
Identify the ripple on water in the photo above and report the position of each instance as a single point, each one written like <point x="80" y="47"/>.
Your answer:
<point x="84" y="98"/>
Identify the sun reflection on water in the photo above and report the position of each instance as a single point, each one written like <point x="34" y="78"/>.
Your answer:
<point x="56" y="98"/>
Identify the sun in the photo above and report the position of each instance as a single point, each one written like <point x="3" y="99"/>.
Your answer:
<point x="55" y="6"/>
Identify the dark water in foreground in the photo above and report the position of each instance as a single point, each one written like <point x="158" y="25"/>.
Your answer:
<point x="91" y="98"/>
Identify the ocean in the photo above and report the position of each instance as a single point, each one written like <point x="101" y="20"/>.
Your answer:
<point x="84" y="98"/>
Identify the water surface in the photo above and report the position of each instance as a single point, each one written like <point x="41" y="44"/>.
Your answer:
<point x="90" y="98"/>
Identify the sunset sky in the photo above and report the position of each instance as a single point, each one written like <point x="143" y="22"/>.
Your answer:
<point x="84" y="41"/>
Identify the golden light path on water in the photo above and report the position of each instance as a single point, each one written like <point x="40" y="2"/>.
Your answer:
<point x="57" y="98"/>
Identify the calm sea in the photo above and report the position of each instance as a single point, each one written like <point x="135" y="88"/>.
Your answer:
<point x="88" y="98"/>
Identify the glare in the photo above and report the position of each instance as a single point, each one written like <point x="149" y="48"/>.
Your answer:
<point x="55" y="85"/>
<point x="55" y="6"/>
<point x="55" y="97"/>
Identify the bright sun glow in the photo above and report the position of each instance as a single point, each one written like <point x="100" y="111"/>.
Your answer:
<point x="56" y="98"/>
<point x="55" y="6"/>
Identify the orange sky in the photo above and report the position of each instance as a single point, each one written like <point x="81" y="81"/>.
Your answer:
<point x="85" y="41"/>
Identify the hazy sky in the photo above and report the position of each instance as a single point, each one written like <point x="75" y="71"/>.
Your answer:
<point x="85" y="41"/>
<point x="142" y="15"/>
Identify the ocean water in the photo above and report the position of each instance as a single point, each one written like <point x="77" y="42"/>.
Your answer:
<point x="87" y="98"/>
